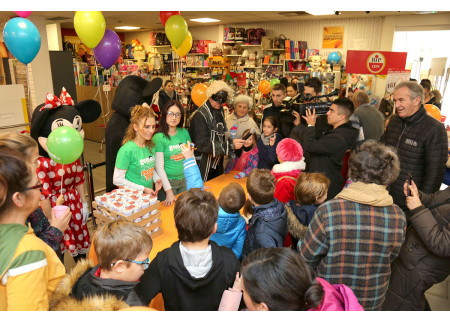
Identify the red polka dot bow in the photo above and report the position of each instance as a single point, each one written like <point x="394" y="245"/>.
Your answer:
<point x="52" y="101"/>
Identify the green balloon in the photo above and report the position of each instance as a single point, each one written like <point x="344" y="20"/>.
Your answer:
<point x="176" y="30"/>
<point x="274" y="81"/>
<point x="65" y="145"/>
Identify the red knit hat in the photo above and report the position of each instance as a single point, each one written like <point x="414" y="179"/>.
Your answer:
<point x="289" y="150"/>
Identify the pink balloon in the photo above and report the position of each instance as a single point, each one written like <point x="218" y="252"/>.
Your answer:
<point x="23" y="14"/>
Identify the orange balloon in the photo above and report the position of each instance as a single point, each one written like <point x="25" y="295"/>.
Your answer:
<point x="433" y="111"/>
<point x="264" y="87"/>
<point x="198" y="94"/>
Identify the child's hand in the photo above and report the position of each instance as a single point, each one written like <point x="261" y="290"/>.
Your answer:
<point x="60" y="200"/>
<point x="186" y="150"/>
<point x="237" y="286"/>
<point x="272" y="139"/>
<point x="238" y="143"/>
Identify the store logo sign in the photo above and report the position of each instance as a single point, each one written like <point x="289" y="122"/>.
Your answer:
<point x="376" y="62"/>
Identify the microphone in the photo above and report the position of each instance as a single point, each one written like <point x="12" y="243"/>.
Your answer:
<point x="252" y="131"/>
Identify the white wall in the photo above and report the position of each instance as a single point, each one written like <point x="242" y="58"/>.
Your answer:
<point x="54" y="37"/>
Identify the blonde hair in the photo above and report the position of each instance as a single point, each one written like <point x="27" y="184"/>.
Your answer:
<point x="309" y="187"/>
<point x="19" y="142"/>
<point x="120" y="240"/>
<point x="138" y="113"/>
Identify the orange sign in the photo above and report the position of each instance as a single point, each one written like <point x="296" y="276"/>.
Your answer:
<point x="333" y="37"/>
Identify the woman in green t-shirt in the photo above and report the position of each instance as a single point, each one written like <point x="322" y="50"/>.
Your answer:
<point x="169" y="160"/>
<point x="135" y="162"/>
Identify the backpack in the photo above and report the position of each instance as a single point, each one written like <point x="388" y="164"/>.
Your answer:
<point x="161" y="39"/>
<point x="229" y="34"/>
<point x="239" y="35"/>
<point x="250" y="35"/>
<point x="258" y="36"/>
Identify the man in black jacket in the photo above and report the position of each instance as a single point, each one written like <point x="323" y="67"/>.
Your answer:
<point x="421" y="142"/>
<point x="327" y="152"/>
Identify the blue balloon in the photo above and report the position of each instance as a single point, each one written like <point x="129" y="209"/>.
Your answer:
<point x="22" y="39"/>
<point x="334" y="58"/>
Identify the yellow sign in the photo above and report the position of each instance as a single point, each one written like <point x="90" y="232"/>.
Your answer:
<point x="333" y="37"/>
<point x="219" y="61"/>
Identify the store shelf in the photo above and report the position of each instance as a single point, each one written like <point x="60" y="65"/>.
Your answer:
<point x="197" y="66"/>
<point x="274" y="49"/>
<point x="272" y="64"/>
<point x="295" y="72"/>
<point x="253" y="67"/>
<point x="302" y="60"/>
<point x="198" y="54"/>
<point x="232" y="55"/>
<point x="248" y="45"/>
<point x="163" y="46"/>
<point x="199" y="77"/>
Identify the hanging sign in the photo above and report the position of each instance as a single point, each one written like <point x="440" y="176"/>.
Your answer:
<point x="374" y="62"/>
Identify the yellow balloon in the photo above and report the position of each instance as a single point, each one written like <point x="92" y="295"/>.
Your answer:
<point x="90" y="26"/>
<point x="185" y="46"/>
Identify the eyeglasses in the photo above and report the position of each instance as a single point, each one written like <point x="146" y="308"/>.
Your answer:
<point x="145" y="263"/>
<point x="38" y="186"/>
<point x="172" y="114"/>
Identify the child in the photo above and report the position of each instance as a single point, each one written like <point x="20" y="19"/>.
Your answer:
<point x="193" y="273"/>
<point x="248" y="157"/>
<point x="310" y="191"/>
<point x="267" y="143"/>
<point x="268" y="225"/>
<point x="135" y="162"/>
<point x="278" y="279"/>
<point x="231" y="226"/>
<point x="122" y="250"/>
<point x="290" y="155"/>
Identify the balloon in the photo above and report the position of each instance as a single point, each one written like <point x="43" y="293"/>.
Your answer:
<point x="164" y="15"/>
<point x="176" y="30"/>
<point x="23" y="14"/>
<point x="198" y="94"/>
<point x="185" y="47"/>
<point x="22" y="39"/>
<point x="90" y="26"/>
<point x="433" y="111"/>
<point x="274" y="81"/>
<point x="264" y="87"/>
<point x="108" y="49"/>
<point x="65" y="145"/>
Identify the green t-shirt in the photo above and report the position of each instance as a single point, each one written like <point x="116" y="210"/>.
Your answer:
<point x="173" y="159"/>
<point x="139" y="163"/>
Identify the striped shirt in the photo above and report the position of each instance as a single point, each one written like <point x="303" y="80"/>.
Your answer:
<point x="354" y="244"/>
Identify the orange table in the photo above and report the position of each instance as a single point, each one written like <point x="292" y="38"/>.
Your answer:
<point x="170" y="234"/>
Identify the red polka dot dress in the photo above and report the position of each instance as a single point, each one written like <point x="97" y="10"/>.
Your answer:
<point x="76" y="238"/>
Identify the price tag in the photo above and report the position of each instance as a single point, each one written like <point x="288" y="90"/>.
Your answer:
<point x="106" y="87"/>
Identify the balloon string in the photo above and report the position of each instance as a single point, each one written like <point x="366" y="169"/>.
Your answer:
<point x="62" y="180"/>
<point x="28" y="85"/>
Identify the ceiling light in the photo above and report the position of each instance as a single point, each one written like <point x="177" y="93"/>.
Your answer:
<point x="204" y="20"/>
<point x="127" y="27"/>
<point x="320" y="12"/>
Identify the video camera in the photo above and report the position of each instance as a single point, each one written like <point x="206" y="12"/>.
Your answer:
<point x="299" y="103"/>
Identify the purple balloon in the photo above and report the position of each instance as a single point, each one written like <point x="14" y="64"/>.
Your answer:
<point x="108" y="49"/>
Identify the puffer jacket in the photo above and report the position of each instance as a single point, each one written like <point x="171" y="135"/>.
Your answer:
<point x="267" y="228"/>
<point x="424" y="258"/>
<point x="422" y="146"/>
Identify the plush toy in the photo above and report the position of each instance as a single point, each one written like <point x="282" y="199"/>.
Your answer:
<point x="326" y="68"/>
<point x="315" y="63"/>
<point x="132" y="90"/>
<point x="62" y="179"/>
<point x="363" y="84"/>
<point x="137" y="45"/>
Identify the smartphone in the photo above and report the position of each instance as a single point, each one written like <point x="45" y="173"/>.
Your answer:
<point x="409" y="183"/>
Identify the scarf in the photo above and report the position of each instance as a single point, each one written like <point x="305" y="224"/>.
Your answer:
<point x="170" y="94"/>
<point x="367" y="193"/>
<point x="265" y="139"/>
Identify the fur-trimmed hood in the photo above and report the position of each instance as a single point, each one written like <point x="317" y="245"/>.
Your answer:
<point x="289" y="167"/>
<point x="62" y="301"/>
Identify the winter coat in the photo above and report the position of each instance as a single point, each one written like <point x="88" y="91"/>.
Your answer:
<point x="286" y="175"/>
<point x="422" y="147"/>
<point x="82" y="290"/>
<point x="192" y="174"/>
<point x="164" y="98"/>
<point x="335" y="298"/>
<point x="236" y="126"/>
<point x="327" y="153"/>
<point x="424" y="258"/>
<point x="299" y="217"/>
<point x="267" y="227"/>
<point x="250" y="164"/>
<point x="231" y="231"/>
<point x="267" y="156"/>
<point x="182" y="292"/>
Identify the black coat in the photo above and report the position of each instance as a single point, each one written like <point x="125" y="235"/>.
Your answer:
<point x="182" y="292"/>
<point x="327" y="153"/>
<point x="424" y="258"/>
<point x="164" y="98"/>
<point x="267" y="228"/>
<point x="422" y="146"/>
<point x="267" y="154"/>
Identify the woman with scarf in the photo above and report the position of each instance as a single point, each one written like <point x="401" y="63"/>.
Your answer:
<point x="240" y="120"/>
<point x="167" y="93"/>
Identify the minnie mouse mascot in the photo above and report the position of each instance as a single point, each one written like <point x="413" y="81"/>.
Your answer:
<point x="68" y="179"/>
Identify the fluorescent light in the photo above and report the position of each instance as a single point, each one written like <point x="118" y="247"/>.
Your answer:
<point x="204" y="20"/>
<point x="127" y="28"/>
<point x="319" y="12"/>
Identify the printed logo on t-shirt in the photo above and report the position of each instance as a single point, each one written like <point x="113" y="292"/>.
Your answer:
<point x="176" y="157"/>
<point x="148" y="173"/>
<point x="147" y="160"/>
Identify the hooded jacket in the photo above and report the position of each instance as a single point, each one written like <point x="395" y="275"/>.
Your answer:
<point x="267" y="227"/>
<point x="327" y="153"/>
<point x="286" y="174"/>
<point x="231" y="231"/>
<point x="299" y="217"/>
<point x="182" y="292"/>
<point x="422" y="147"/>
<point x="82" y="290"/>
<point x="267" y="154"/>
<point x="424" y="258"/>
